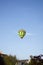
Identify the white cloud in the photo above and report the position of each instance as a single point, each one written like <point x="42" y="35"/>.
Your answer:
<point x="29" y="34"/>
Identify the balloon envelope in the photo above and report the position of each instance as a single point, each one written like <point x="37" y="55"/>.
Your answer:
<point x="21" y="33"/>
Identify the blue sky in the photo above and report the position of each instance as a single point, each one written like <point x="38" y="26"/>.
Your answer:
<point x="21" y="14"/>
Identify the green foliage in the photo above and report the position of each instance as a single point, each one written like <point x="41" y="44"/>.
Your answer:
<point x="9" y="60"/>
<point x="12" y="60"/>
<point x="34" y="62"/>
<point x="26" y="64"/>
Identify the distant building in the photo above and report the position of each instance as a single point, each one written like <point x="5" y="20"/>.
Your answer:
<point x="22" y="62"/>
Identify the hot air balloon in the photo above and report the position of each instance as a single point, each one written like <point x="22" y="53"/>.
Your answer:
<point x="21" y="33"/>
